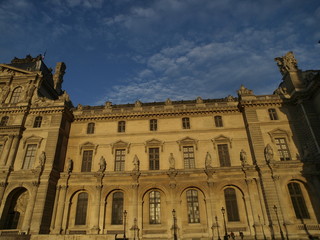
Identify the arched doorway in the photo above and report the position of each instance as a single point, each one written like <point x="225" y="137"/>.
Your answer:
<point x="14" y="209"/>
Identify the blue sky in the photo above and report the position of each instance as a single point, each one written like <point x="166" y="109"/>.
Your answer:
<point x="151" y="50"/>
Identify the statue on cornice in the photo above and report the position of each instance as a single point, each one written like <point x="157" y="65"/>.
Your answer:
<point x="108" y="104"/>
<point x="287" y="63"/>
<point x="138" y="104"/>
<point x="230" y="98"/>
<point x="208" y="161"/>
<point x="244" y="91"/>
<point x="27" y="59"/>
<point x="168" y="102"/>
<point x="102" y="164"/>
<point x="243" y="157"/>
<point x="199" y="100"/>
<point x="172" y="161"/>
<point x="136" y="163"/>
<point x="268" y="153"/>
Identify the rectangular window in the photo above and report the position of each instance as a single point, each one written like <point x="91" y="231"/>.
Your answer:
<point x="119" y="159"/>
<point x="154" y="158"/>
<point x="154" y="207"/>
<point x="188" y="157"/>
<point x="153" y="125"/>
<point x="273" y="114"/>
<point x="224" y="157"/>
<point x="90" y="128"/>
<point x="37" y="122"/>
<point x="283" y="149"/>
<point x="121" y="126"/>
<point x="117" y="208"/>
<point x="81" y="211"/>
<point x="30" y="156"/>
<point x="87" y="161"/>
<point x="218" y="121"/>
<point x="186" y="123"/>
<point x="231" y="205"/>
<point x="193" y="206"/>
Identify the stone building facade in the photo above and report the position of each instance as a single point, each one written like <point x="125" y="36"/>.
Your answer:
<point x="195" y="170"/>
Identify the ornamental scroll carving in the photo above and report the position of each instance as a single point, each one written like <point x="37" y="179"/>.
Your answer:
<point x="287" y="63"/>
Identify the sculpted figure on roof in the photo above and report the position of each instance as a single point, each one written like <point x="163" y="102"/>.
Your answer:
<point x="287" y="63"/>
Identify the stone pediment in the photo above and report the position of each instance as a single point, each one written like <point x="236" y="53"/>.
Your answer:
<point x="153" y="143"/>
<point x="120" y="144"/>
<point x="88" y="146"/>
<point x="7" y="70"/>
<point x="33" y="139"/>
<point x="221" y="139"/>
<point x="278" y="133"/>
<point x="187" y="141"/>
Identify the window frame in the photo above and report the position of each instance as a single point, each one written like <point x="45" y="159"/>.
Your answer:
<point x="282" y="148"/>
<point x="37" y="122"/>
<point x="90" y="128"/>
<point x="193" y="206"/>
<point x="298" y="201"/>
<point x="15" y="96"/>
<point x="224" y="155"/>
<point x="186" y="123"/>
<point x="231" y="202"/>
<point x="155" y="207"/>
<point x="30" y="156"/>
<point x="273" y="115"/>
<point x="119" y="164"/>
<point x="86" y="164"/>
<point x="188" y="157"/>
<point x="153" y="123"/>
<point x="121" y="126"/>
<point x="117" y="208"/>
<point x="4" y="121"/>
<point x="218" y="121"/>
<point x="154" y="158"/>
<point x="81" y="209"/>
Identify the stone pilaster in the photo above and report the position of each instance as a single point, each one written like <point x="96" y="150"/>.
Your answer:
<point x="13" y="151"/>
<point x="96" y="210"/>
<point x="60" y="210"/>
<point x="6" y="150"/>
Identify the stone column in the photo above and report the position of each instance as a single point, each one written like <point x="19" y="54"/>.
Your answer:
<point x="13" y="150"/>
<point x="54" y="213"/>
<point x="96" y="210"/>
<point x="2" y="189"/>
<point x="6" y="151"/>
<point x="29" y="211"/>
<point x="60" y="210"/>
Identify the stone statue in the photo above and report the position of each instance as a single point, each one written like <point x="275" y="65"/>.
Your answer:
<point x="208" y="160"/>
<point x="102" y="164"/>
<point x="137" y="104"/>
<point x="268" y="153"/>
<point x="70" y="166"/>
<point x="136" y="163"/>
<point x="199" y="100"/>
<point x="287" y="63"/>
<point x="168" y="102"/>
<point x="171" y="161"/>
<point x="243" y="157"/>
<point x="42" y="159"/>
<point x="244" y="91"/>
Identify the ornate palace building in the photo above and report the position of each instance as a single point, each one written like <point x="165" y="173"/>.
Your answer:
<point x="245" y="166"/>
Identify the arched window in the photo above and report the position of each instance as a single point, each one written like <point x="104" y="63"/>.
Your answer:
<point x="154" y="207"/>
<point x="231" y="205"/>
<point x="117" y="208"/>
<point x="37" y="122"/>
<point x="16" y="95"/>
<point x="81" y="212"/>
<point x="297" y="200"/>
<point x="193" y="206"/>
<point x="218" y="121"/>
<point x="90" y="128"/>
<point x="4" y="121"/>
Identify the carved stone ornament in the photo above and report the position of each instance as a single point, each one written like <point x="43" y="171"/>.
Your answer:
<point x="230" y="98"/>
<point x="70" y="166"/>
<point x="136" y="163"/>
<point x="199" y="100"/>
<point x="138" y="104"/>
<point x="168" y="102"/>
<point x="42" y="160"/>
<point x="287" y="63"/>
<point x="268" y="153"/>
<point x="108" y="104"/>
<point x="244" y="91"/>
<point x="243" y="157"/>
<point x="102" y="164"/>
<point x="171" y="161"/>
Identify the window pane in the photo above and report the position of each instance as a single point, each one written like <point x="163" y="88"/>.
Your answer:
<point x="231" y="205"/>
<point x="154" y="158"/>
<point x="90" y="128"/>
<point x="273" y="114"/>
<point x="193" y="206"/>
<point x="298" y="202"/>
<point x="86" y="161"/>
<point x="121" y="126"/>
<point x="154" y="207"/>
<point x="81" y="212"/>
<point x="119" y="160"/>
<point x="153" y="125"/>
<point x="186" y="123"/>
<point x="224" y="157"/>
<point x="30" y="156"/>
<point x="283" y="149"/>
<point x="16" y="95"/>
<point x="37" y="122"/>
<point x="188" y="156"/>
<point x="117" y="208"/>
<point x="218" y="121"/>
